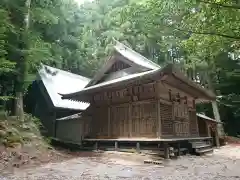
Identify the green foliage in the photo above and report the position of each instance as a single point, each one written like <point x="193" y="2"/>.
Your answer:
<point x="202" y="37"/>
<point x="14" y="132"/>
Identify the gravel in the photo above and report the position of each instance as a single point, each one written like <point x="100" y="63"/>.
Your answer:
<point x="223" y="164"/>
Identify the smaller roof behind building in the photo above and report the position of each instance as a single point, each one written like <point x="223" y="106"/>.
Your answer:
<point x="57" y="81"/>
<point x="203" y="116"/>
<point x="71" y="117"/>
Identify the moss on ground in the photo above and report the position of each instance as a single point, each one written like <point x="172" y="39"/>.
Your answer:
<point x="14" y="132"/>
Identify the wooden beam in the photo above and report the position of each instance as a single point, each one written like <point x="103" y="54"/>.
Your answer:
<point x="166" y="151"/>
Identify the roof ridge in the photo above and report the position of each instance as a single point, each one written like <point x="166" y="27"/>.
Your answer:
<point x="67" y="72"/>
<point x="136" y="53"/>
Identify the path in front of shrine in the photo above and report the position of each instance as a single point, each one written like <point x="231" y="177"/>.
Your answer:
<point x="223" y="164"/>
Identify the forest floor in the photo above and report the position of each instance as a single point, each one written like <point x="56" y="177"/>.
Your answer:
<point x="22" y="145"/>
<point x="223" y="164"/>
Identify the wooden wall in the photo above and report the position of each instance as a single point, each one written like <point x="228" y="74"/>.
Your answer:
<point x="143" y="111"/>
<point x="125" y="113"/>
<point x="70" y="130"/>
<point x="202" y="128"/>
<point x="177" y="111"/>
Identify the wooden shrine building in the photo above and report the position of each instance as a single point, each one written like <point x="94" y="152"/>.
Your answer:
<point x="133" y="99"/>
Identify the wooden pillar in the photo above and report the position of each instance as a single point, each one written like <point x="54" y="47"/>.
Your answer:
<point x="159" y="129"/>
<point x="217" y="137"/>
<point x="159" y="123"/>
<point x="179" y="149"/>
<point x="116" y="146"/>
<point x="130" y="119"/>
<point x="166" y="151"/>
<point x="208" y="130"/>
<point x="109" y="121"/>
<point x="138" y="147"/>
<point x="217" y="118"/>
<point x="96" y="146"/>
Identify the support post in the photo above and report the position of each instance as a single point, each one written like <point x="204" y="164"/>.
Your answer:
<point x="130" y="119"/>
<point x="159" y="119"/>
<point x="116" y="146"/>
<point x="109" y="121"/>
<point x="166" y="151"/>
<point x="158" y="129"/>
<point x="179" y="149"/>
<point x="217" y="118"/>
<point x="96" y="146"/>
<point x="217" y="138"/>
<point x="138" y="147"/>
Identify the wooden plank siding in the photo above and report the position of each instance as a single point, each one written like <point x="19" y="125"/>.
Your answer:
<point x="166" y="119"/>
<point x="143" y="111"/>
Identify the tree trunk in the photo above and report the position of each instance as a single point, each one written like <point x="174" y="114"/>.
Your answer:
<point x="22" y="65"/>
<point x="215" y="109"/>
<point x="19" y="105"/>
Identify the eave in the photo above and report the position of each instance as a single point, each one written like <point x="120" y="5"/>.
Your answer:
<point x="167" y="74"/>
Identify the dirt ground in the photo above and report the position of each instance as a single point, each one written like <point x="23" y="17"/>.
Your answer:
<point x="223" y="164"/>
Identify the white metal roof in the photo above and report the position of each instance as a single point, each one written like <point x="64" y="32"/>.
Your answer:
<point x="58" y="82"/>
<point x="203" y="116"/>
<point x="74" y="116"/>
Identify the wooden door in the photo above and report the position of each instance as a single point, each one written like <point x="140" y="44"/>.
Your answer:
<point x="166" y="114"/>
<point x="119" y="121"/>
<point x="136" y="119"/>
<point x="100" y="123"/>
<point x="144" y="119"/>
<point x="181" y="120"/>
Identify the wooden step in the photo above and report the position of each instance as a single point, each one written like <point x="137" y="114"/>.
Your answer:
<point x="204" y="151"/>
<point x="201" y="146"/>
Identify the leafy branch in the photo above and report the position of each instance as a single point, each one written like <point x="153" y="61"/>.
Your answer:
<point x="221" y="5"/>
<point x="209" y="33"/>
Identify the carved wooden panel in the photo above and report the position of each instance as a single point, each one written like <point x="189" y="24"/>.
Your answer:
<point x="121" y="96"/>
<point x="166" y="119"/>
<point x="180" y="110"/>
<point x="148" y="91"/>
<point x="181" y="127"/>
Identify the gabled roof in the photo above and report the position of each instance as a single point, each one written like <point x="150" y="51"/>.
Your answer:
<point x="135" y="57"/>
<point x="129" y="56"/>
<point x="58" y="81"/>
<point x="167" y="70"/>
